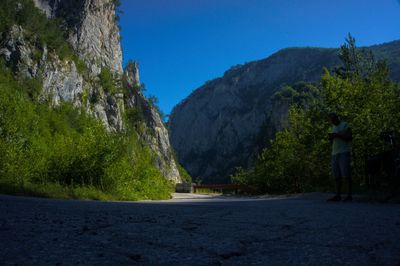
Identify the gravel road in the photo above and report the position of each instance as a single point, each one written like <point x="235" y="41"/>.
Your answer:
<point x="199" y="230"/>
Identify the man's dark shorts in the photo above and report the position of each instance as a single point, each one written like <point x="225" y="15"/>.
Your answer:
<point x="341" y="165"/>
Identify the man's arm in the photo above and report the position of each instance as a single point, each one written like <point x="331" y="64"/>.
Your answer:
<point x="345" y="135"/>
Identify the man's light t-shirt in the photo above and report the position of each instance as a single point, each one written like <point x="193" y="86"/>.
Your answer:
<point x="339" y="145"/>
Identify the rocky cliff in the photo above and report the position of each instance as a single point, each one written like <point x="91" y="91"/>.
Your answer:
<point x="91" y="75"/>
<point x="156" y="136"/>
<point x="92" y="30"/>
<point x="94" y="36"/>
<point x="218" y="126"/>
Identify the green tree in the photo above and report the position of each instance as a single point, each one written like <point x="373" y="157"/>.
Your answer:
<point x="298" y="159"/>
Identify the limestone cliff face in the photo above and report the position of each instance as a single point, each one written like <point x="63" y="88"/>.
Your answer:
<point x="156" y="134"/>
<point x="94" y="35"/>
<point x="93" y="32"/>
<point x="91" y="29"/>
<point x="60" y="78"/>
<point x="218" y="126"/>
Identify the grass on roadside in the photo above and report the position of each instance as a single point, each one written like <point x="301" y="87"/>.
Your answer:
<point x="54" y="190"/>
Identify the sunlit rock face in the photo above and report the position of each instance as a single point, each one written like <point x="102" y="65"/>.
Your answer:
<point x="61" y="79"/>
<point x="93" y="31"/>
<point x="218" y="126"/>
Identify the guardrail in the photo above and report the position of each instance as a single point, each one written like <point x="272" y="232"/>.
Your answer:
<point x="221" y="188"/>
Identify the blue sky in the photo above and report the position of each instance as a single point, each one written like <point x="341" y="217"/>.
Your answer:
<point x="180" y="44"/>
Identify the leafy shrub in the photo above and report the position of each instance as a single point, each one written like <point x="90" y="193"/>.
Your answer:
<point x="63" y="147"/>
<point x="183" y="173"/>
<point x="107" y="80"/>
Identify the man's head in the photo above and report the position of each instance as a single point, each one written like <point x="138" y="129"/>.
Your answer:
<point x="334" y="118"/>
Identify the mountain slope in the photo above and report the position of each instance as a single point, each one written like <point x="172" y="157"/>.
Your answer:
<point x="217" y="127"/>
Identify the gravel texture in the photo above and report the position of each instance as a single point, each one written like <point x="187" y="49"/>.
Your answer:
<point x="199" y="230"/>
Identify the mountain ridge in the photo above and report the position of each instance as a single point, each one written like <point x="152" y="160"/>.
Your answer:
<point x="215" y="128"/>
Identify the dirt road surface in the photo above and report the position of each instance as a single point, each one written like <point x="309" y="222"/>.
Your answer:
<point x="199" y="230"/>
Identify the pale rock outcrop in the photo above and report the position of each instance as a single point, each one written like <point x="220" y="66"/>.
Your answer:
<point x="93" y="31"/>
<point x="61" y="78"/>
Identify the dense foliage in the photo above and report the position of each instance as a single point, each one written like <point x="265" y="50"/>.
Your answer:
<point x="298" y="159"/>
<point x="63" y="152"/>
<point x="183" y="173"/>
<point x="108" y="81"/>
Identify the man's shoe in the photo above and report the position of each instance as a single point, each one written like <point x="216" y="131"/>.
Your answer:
<point x="348" y="199"/>
<point x="335" y="199"/>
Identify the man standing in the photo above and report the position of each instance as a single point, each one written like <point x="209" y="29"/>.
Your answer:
<point x="341" y="138"/>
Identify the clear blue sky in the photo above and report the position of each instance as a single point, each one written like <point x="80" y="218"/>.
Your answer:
<point x="180" y="44"/>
